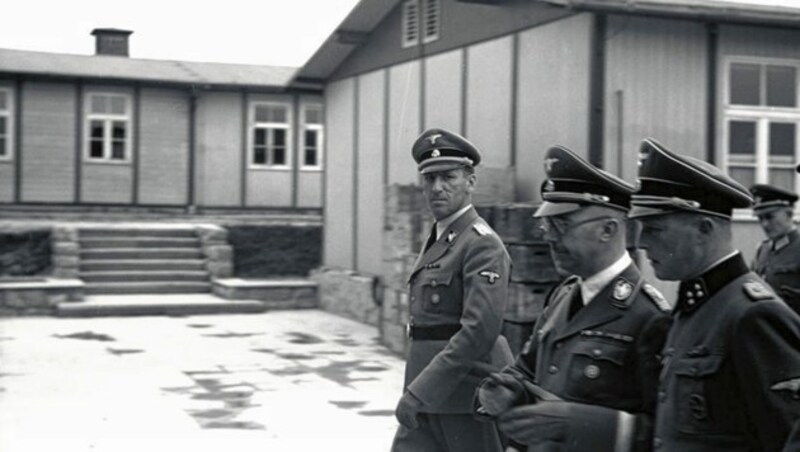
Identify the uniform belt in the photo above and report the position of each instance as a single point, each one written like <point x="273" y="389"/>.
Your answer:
<point x="433" y="332"/>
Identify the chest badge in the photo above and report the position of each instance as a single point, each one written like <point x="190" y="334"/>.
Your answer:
<point x="451" y="236"/>
<point x="622" y="290"/>
<point x="492" y="276"/>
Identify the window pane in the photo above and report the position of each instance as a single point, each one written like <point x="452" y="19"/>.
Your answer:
<point x="782" y="177"/>
<point x="99" y="104"/>
<point x="260" y="137"/>
<point x="310" y="157"/>
<point x="742" y="139"/>
<point x="311" y="138"/>
<point x="279" y="156"/>
<point x="262" y="113"/>
<point x="3" y="100"/>
<point x="3" y="144"/>
<point x="2" y="125"/>
<point x="781" y="138"/>
<point x="313" y="116"/>
<point x="118" y="150"/>
<point x="118" y="132"/>
<point x="260" y="155"/>
<point x="277" y="114"/>
<point x="96" y="149"/>
<point x="745" y="84"/>
<point x="781" y="86"/>
<point x="745" y="176"/>
<point x="117" y="105"/>
<point x="97" y="130"/>
<point x="279" y="137"/>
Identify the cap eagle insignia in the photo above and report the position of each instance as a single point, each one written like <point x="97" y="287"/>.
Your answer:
<point x="433" y="138"/>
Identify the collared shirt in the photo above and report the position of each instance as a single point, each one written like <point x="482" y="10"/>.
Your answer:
<point x="595" y="283"/>
<point x="445" y="222"/>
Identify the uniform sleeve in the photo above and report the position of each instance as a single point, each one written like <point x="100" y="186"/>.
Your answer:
<point x="766" y="356"/>
<point x="484" y="303"/>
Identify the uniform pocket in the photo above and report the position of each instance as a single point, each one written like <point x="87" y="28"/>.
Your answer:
<point x="596" y="369"/>
<point x="438" y="294"/>
<point x="696" y="379"/>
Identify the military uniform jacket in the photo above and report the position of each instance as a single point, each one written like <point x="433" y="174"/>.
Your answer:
<point x="778" y="262"/>
<point x="461" y="279"/>
<point x="607" y="354"/>
<point x="731" y="367"/>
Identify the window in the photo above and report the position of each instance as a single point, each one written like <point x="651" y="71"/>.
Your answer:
<point x="312" y="139"/>
<point x="108" y="126"/>
<point x="420" y="18"/>
<point x="762" y="122"/>
<point x="6" y="126"/>
<point x="270" y="132"/>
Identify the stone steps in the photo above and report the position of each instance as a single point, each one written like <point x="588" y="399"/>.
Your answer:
<point x="144" y="276"/>
<point x="174" y="305"/>
<point x="142" y="264"/>
<point x="141" y="253"/>
<point x="147" y="287"/>
<point x="138" y="242"/>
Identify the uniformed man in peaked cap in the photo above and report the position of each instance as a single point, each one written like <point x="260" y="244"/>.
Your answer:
<point x="731" y="364"/>
<point x="588" y="375"/>
<point x="458" y="290"/>
<point x="778" y="258"/>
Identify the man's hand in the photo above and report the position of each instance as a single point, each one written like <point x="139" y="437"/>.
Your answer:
<point x="498" y="393"/>
<point x="546" y="421"/>
<point x="407" y="409"/>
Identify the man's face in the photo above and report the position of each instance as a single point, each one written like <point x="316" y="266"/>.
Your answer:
<point x="574" y="240"/>
<point x="776" y="223"/>
<point x="668" y="240"/>
<point x="447" y="191"/>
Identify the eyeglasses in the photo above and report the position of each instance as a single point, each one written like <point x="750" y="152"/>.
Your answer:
<point x="562" y="227"/>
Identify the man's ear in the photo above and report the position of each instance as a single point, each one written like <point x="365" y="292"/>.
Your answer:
<point x="472" y="180"/>
<point x="706" y="226"/>
<point x="610" y="229"/>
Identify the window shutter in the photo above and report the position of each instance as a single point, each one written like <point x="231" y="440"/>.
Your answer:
<point x="432" y="20"/>
<point x="410" y="24"/>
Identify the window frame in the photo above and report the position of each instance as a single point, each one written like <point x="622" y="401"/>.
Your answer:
<point x="8" y="113"/>
<point x="317" y="127"/>
<point x="108" y="120"/>
<point x="762" y="116"/>
<point x="253" y="125"/>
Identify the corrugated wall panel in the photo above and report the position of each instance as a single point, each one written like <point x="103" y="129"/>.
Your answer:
<point x="404" y="121"/>
<point x="370" y="188"/>
<point x="48" y="142"/>
<point x="443" y="91"/>
<point x="7" y="167"/>
<point x="489" y="101"/>
<point x="269" y="188"/>
<point x="338" y="217"/>
<point x="163" y="147"/>
<point x="656" y="84"/>
<point x="309" y="189"/>
<point x="759" y="41"/>
<point x="219" y="149"/>
<point x="6" y="181"/>
<point x="553" y="96"/>
<point x="104" y="182"/>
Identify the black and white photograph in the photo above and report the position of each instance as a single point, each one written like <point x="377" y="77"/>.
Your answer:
<point x="400" y="225"/>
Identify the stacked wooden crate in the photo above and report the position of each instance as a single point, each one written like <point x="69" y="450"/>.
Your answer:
<point x="533" y="273"/>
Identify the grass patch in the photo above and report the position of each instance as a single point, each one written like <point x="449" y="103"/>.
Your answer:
<point x="275" y="251"/>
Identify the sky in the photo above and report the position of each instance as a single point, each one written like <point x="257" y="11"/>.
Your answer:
<point x="270" y="32"/>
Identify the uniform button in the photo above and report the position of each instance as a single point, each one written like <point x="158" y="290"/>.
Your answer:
<point x="597" y="352"/>
<point x="552" y="369"/>
<point x="662" y="396"/>
<point x="591" y="371"/>
<point x="433" y="283"/>
<point x="657" y="442"/>
<point x="435" y="298"/>
<point x="413" y="298"/>
<point x="558" y="345"/>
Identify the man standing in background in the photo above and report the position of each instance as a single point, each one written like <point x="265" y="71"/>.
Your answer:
<point x="778" y="258"/>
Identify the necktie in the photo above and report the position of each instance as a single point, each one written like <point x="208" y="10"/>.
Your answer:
<point x="575" y="304"/>
<point x="431" y="237"/>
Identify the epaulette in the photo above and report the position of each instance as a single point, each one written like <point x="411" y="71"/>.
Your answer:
<point x="757" y="291"/>
<point x="655" y="296"/>
<point x="482" y="229"/>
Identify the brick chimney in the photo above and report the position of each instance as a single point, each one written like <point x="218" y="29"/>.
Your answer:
<point x="111" y="41"/>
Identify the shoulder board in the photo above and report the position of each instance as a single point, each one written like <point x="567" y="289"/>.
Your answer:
<point x="757" y="291"/>
<point x="655" y="296"/>
<point x="482" y="229"/>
